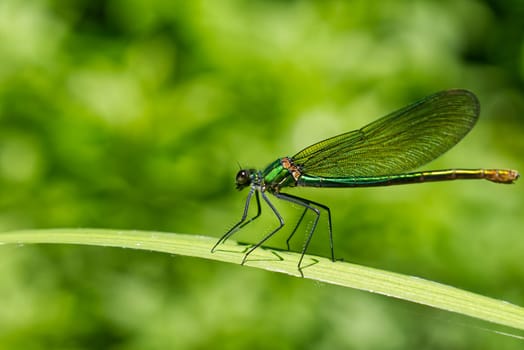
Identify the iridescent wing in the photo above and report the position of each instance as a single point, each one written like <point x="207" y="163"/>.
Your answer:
<point x="399" y="142"/>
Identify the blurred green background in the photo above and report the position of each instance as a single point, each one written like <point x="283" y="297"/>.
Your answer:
<point x="135" y="115"/>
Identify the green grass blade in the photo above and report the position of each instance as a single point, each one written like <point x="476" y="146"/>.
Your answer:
<point x="345" y="274"/>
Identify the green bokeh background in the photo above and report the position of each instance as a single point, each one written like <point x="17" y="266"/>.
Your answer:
<point x="135" y="115"/>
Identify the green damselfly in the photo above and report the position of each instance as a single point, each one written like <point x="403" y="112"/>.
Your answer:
<point x="379" y="154"/>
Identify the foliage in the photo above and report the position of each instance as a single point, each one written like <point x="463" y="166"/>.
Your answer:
<point x="134" y="114"/>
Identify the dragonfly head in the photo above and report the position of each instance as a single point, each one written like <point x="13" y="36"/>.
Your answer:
<point x="245" y="178"/>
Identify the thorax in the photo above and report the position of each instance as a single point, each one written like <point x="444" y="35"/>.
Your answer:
<point x="281" y="173"/>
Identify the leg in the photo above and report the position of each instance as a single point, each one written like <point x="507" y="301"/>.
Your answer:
<point x="296" y="227"/>
<point x="268" y="236"/>
<point x="308" y="204"/>
<point x="242" y="221"/>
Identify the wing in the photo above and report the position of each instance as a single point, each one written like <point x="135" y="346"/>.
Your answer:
<point x="399" y="142"/>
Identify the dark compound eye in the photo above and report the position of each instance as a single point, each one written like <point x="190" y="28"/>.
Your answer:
<point x="243" y="179"/>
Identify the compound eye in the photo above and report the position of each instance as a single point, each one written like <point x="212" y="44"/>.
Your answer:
<point x="242" y="178"/>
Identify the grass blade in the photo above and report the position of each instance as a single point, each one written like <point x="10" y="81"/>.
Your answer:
<point x="395" y="285"/>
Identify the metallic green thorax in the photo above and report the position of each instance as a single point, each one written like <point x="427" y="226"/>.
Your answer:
<point x="276" y="176"/>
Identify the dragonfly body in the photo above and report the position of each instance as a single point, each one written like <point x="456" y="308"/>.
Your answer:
<point x="493" y="175"/>
<point x="379" y="154"/>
